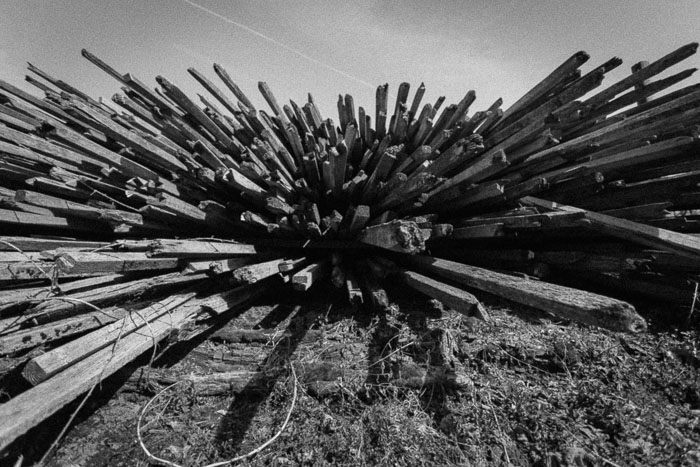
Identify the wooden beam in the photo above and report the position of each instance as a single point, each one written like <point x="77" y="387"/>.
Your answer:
<point x="81" y="262"/>
<point x="400" y="236"/>
<point x="545" y="86"/>
<point x="309" y="275"/>
<point x="29" y="295"/>
<point x="644" y="73"/>
<point x="23" y="339"/>
<point x="565" y="302"/>
<point x="58" y="305"/>
<point x="155" y="155"/>
<point x="681" y="244"/>
<point x="198" y="249"/>
<point x="457" y="299"/>
<point x="41" y="244"/>
<point x="230" y="264"/>
<point x="256" y="272"/>
<point x="50" y="363"/>
<point x="292" y="264"/>
<point x="38" y="403"/>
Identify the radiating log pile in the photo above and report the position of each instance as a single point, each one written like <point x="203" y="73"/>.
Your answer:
<point x="125" y="221"/>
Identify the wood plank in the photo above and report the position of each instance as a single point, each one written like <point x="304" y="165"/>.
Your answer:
<point x="663" y="152"/>
<point x="35" y="405"/>
<point x="37" y="270"/>
<point x="456" y="299"/>
<point x="381" y="110"/>
<point x="233" y="87"/>
<point x="213" y="90"/>
<point x="14" y="297"/>
<point x="681" y="244"/>
<point x="67" y="135"/>
<point x="491" y="230"/>
<point x="226" y="142"/>
<point x="230" y="264"/>
<point x="400" y="236"/>
<point x="41" y="244"/>
<point x="642" y="74"/>
<point x="565" y="302"/>
<point x="256" y="272"/>
<point x="68" y="208"/>
<point x="641" y="212"/>
<point x="47" y="107"/>
<point x="53" y="306"/>
<point x="51" y="150"/>
<point x="154" y="155"/>
<point x="639" y="95"/>
<point x="309" y="275"/>
<point x="682" y="109"/>
<point x="477" y="171"/>
<point x="78" y="263"/>
<point x="52" y="362"/>
<point x="243" y="184"/>
<point x="478" y="197"/>
<point x="546" y="85"/>
<point x="292" y="264"/>
<point x="357" y="220"/>
<point x="24" y="339"/>
<point x="401" y="98"/>
<point x="353" y="287"/>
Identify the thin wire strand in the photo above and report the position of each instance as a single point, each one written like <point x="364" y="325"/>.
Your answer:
<point x="255" y="451"/>
<point x="31" y="260"/>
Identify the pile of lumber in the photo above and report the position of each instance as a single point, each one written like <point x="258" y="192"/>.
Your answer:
<point x="123" y="222"/>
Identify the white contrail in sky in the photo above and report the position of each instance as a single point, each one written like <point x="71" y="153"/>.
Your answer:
<point x="281" y="44"/>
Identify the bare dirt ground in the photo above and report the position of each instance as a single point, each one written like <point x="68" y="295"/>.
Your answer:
<point x="415" y="385"/>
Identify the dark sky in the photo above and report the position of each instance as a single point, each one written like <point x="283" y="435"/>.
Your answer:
<point x="498" y="48"/>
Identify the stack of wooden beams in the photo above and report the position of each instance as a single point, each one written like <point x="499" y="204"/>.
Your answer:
<point x="125" y="221"/>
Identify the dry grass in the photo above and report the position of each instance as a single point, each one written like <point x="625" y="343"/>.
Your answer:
<point x="520" y="390"/>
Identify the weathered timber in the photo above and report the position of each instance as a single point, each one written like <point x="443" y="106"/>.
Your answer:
<point x="164" y="168"/>
<point x="41" y="244"/>
<point x="292" y="264"/>
<point x="353" y="287"/>
<point x="198" y="249"/>
<point x="476" y="172"/>
<point x="457" y="299"/>
<point x="642" y="74"/>
<point x="52" y="306"/>
<point x="223" y="74"/>
<point x="156" y="156"/>
<point x="24" y="339"/>
<point x="546" y="85"/>
<point x="681" y="244"/>
<point x="565" y="302"/>
<point x="256" y="272"/>
<point x="231" y="264"/>
<point x="48" y="364"/>
<point x="400" y="236"/>
<point x="35" y="405"/>
<point x="80" y="262"/>
<point x="303" y="279"/>
<point x="24" y="296"/>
